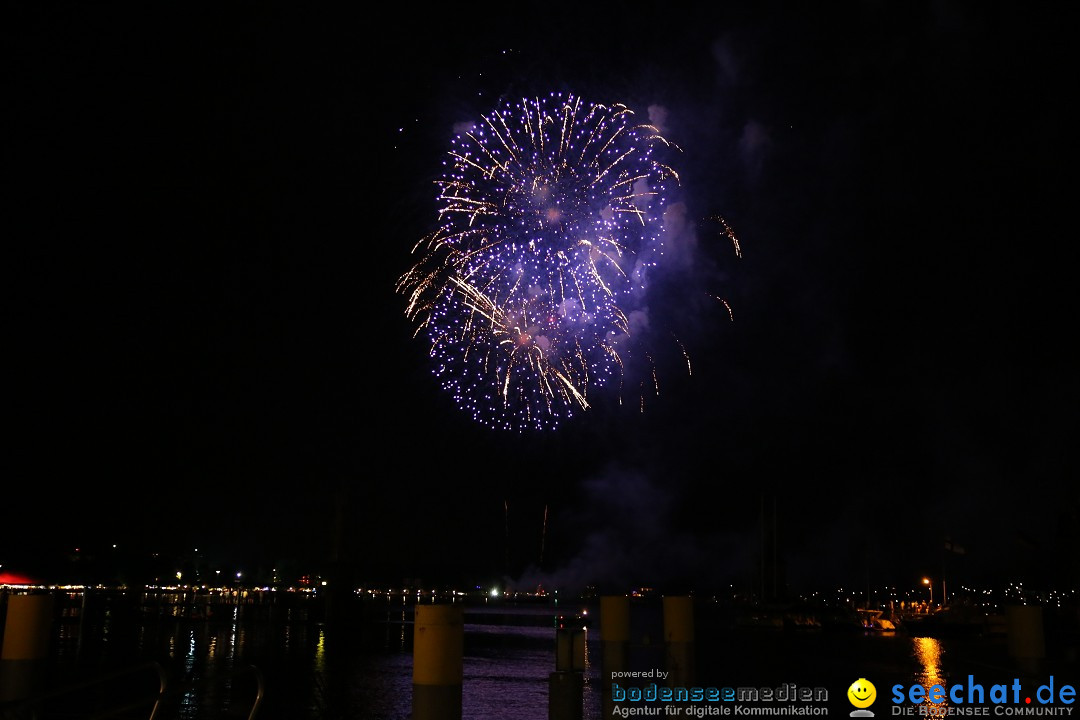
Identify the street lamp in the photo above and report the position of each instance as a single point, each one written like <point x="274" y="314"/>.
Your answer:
<point x="927" y="583"/>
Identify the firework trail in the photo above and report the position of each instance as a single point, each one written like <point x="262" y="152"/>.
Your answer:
<point x="550" y="220"/>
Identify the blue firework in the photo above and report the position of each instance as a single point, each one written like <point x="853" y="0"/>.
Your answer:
<point x="550" y="219"/>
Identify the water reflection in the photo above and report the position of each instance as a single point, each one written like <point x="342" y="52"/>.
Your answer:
<point x="313" y="668"/>
<point x="320" y="653"/>
<point x="189" y="702"/>
<point x="927" y="652"/>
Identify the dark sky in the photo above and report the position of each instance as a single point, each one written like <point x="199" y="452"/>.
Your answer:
<point x="211" y="208"/>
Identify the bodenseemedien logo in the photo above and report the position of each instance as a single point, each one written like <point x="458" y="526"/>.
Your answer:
<point x="698" y="702"/>
<point x="862" y="694"/>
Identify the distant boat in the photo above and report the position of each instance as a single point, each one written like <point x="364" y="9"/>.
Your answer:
<point x="873" y="620"/>
<point x="947" y="622"/>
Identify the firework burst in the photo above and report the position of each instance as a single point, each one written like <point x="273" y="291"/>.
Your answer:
<point x="550" y="220"/>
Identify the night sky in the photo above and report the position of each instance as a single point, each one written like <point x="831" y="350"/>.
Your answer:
<point x="211" y="207"/>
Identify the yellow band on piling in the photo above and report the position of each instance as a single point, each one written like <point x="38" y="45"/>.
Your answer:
<point x="614" y="618"/>
<point x="438" y="644"/>
<point x="678" y="619"/>
<point x="28" y="627"/>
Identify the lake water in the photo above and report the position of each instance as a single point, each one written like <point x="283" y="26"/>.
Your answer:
<point x="104" y="653"/>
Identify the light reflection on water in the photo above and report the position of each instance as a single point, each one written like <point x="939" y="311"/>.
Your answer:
<point x="320" y="652"/>
<point x="928" y="653"/>
<point x="210" y="668"/>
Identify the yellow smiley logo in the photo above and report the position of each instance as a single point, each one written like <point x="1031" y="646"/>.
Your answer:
<point x="862" y="693"/>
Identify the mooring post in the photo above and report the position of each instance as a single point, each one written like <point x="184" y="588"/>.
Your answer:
<point x="1026" y="637"/>
<point x="614" y="644"/>
<point x="438" y="664"/>
<point x="566" y="685"/>
<point x="25" y="654"/>
<point x="679" y="640"/>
